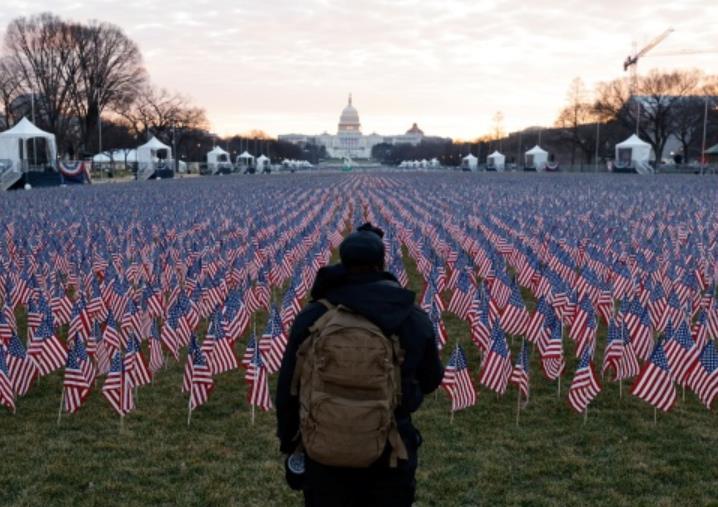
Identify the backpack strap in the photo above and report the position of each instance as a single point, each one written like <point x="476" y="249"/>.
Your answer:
<point x="302" y="351"/>
<point x="398" y="449"/>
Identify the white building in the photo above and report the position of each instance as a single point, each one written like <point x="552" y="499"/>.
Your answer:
<point x="349" y="142"/>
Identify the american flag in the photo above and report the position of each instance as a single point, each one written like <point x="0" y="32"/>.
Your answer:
<point x="551" y="352"/>
<point x="457" y="381"/>
<point x="437" y="322"/>
<point x="520" y="373"/>
<point x="681" y="352"/>
<point x="462" y="297"/>
<point x="117" y="388"/>
<point x="236" y="317"/>
<point x="79" y="376"/>
<point x="22" y="368"/>
<point x="46" y="350"/>
<point x="157" y="358"/>
<point x="654" y="384"/>
<point x="290" y="307"/>
<point x="497" y="365"/>
<point x="112" y="337"/>
<point x="273" y="342"/>
<point x="221" y="356"/>
<point x="628" y="366"/>
<point x="703" y="378"/>
<point x="584" y="387"/>
<point x="7" y="396"/>
<point x="198" y="376"/>
<point x="515" y="317"/>
<point x="257" y="378"/>
<point x="134" y="364"/>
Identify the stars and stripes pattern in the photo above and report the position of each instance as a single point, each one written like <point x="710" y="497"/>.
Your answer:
<point x="457" y="381"/>
<point x="584" y="386"/>
<point x="655" y="383"/>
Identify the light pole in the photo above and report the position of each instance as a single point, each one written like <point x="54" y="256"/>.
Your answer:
<point x="598" y="133"/>
<point x="705" y="128"/>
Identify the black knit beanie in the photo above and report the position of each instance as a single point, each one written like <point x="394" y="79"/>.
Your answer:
<point x="363" y="247"/>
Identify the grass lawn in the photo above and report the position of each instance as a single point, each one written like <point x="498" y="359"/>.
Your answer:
<point x="619" y="457"/>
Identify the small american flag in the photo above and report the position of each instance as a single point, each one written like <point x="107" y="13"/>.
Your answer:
<point x="584" y="387"/>
<point x="134" y="364"/>
<point x="7" y="396"/>
<point x="46" y="350"/>
<point x="515" y="317"/>
<point x="273" y="342"/>
<point x="201" y="379"/>
<point x="77" y="382"/>
<point x="497" y="365"/>
<point x="22" y="368"/>
<point x="457" y="381"/>
<point x="654" y="384"/>
<point x="703" y="378"/>
<point x="520" y="373"/>
<point x="117" y="389"/>
<point x="257" y="378"/>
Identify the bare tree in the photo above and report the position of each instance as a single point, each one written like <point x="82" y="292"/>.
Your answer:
<point x="169" y="116"/>
<point x="10" y="89"/>
<point x="659" y="95"/>
<point x="109" y="74"/>
<point x="573" y="118"/>
<point x="41" y="48"/>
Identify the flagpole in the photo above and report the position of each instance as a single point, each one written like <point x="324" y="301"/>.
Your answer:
<point x="256" y="368"/>
<point x="585" y="415"/>
<point x="655" y="416"/>
<point x="518" y="406"/>
<point x="189" y="403"/>
<point x="62" y="401"/>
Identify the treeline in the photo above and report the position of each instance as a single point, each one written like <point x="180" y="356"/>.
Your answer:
<point x="87" y="84"/>
<point x="666" y="106"/>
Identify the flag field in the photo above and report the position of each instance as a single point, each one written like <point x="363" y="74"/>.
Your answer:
<point x="142" y="326"/>
<point x="618" y="457"/>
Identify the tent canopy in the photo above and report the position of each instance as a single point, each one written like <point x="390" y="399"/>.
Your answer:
<point x="713" y="150"/>
<point x="496" y="160"/>
<point x="537" y="150"/>
<point x="148" y="152"/>
<point x="217" y="155"/>
<point x="633" y="149"/>
<point x="469" y="157"/>
<point x="23" y="131"/>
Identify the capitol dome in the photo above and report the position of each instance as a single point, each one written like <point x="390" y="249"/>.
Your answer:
<point x="349" y="119"/>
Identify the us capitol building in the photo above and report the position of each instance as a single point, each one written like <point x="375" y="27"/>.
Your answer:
<point x="349" y="142"/>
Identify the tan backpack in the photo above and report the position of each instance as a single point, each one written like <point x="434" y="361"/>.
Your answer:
<point x="349" y="381"/>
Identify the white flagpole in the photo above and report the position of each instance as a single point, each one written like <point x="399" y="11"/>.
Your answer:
<point x="256" y="369"/>
<point x="62" y="401"/>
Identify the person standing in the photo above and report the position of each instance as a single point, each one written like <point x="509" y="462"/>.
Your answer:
<point x="360" y="358"/>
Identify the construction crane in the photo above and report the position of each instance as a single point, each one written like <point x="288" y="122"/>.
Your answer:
<point x="631" y="61"/>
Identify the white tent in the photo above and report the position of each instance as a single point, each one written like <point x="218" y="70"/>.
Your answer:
<point x="218" y="160"/>
<point x="245" y="159"/>
<point x="263" y="163"/>
<point x="634" y="153"/>
<point x="434" y="162"/>
<point x="152" y="156"/>
<point x="469" y="162"/>
<point x="17" y="150"/>
<point x="496" y="161"/>
<point x="424" y="163"/>
<point x="536" y="158"/>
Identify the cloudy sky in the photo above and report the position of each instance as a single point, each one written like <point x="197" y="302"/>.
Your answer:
<point x="287" y="65"/>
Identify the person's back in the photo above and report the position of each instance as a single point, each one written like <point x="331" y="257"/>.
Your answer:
<point x="360" y="286"/>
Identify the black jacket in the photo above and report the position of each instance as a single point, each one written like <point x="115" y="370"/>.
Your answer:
<point x="379" y="298"/>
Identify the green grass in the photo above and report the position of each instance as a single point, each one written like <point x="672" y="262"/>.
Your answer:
<point x="618" y="457"/>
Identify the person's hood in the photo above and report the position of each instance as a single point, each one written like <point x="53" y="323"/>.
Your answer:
<point x="376" y="296"/>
